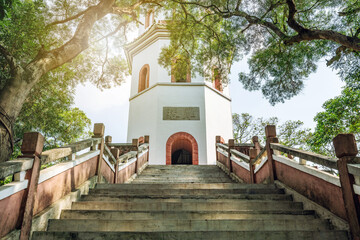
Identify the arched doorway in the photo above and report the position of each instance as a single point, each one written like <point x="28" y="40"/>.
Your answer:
<point x="181" y="148"/>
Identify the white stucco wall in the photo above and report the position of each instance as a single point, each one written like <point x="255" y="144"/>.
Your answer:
<point x="146" y="108"/>
<point x="147" y="119"/>
<point x="149" y="55"/>
<point x="218" y="121"/>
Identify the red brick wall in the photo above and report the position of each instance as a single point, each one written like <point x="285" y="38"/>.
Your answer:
<point x="262" y="174"/>
<point x="125" y="173"/>
<point x="241" y="172"/>
<point x="181" y="140"/>
<point x="320" y="191"/>
<point x="48" y="192"/>
<point x="107" y="172"/>
<point x="11" y="212"/>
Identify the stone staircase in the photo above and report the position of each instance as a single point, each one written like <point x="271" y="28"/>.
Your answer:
<point x="187" y="203"/>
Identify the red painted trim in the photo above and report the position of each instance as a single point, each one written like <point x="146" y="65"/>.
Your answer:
<point x="182" y="136"/>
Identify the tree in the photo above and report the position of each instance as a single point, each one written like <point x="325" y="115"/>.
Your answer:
<point x="246" y="126"/>
<point x="48" y="110"/>
<point x="341" y="115"/>
<point x="291" y="133"/>
<point x="37" y="37"/>
<point x="285" y="39"/>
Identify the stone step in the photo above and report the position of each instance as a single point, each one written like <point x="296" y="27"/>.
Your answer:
<point x="177" y="167"/>
<point x="188" y="206"/>
<point x="169" y="225"/>
<point x="177" y="198"/>
<point x="161" y="215"/>
<point x="182" y="180"/>
<point x="183" y="186"/>
<point x="172" y="175"/>
<point x="174" y="192"/>
<point x="200" y="169"/>
<point x="210" y="235"/>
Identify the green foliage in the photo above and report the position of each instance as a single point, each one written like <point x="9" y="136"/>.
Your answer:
<point x="341" y="115"/>
<point x="49" y="110"/>
<point x="290" y="133"/>
<point x="6" y="180"/>
<point x="27" y="30"/>
<point x="208" y="44"/>
<point x="4" y="7"/>
<point x="216" y="33"/>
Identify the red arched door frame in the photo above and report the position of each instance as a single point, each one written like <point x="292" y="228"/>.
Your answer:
<point x="182" y="136"/>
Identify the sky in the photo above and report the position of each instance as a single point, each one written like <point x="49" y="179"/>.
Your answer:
<point x="111" y="106"/>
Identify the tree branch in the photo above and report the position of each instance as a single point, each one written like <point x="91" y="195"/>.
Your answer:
<point x="118" y="28"/>
<point x="337" y="56"/>
<point x="49" y="60"/>
<point x="105" y="61"/>
<point x="349" y="12"/>
<point x="291" y="18"/>
<point x="70" y="18"/>
<point x="305" y="34"/>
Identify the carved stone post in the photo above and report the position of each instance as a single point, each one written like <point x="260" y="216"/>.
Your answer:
<point x="135" y="147"/>
<point x="270" y="132"/>
<point x="231" y="145"/>
<point x="108" y="140"/>
<point x="115" y="152"/>
<point x="147" y="140"/>
<point x="99" y="130"/>
<point x="217" y="140"/>
<point x="256" y="143"/>
<point x="31" y="147"/>
<point x="253" y="154"/>
<point x="346" y="150"/>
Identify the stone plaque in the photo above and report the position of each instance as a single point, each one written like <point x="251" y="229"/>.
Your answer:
<point x="181" y="113"/>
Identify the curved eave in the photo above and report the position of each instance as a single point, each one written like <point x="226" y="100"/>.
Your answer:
<point x="155" y="32"/>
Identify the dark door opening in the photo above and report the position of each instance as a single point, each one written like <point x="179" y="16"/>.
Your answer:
<point x="181" y="157"/>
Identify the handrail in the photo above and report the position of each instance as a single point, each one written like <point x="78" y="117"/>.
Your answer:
<point x="119" y="144"/>
<point x="240" y="155"/>
<point x="143" y="147"/>
<point x="257" y="160"/>
<point x="244" y="145"/>
<point x="222" y="146"/>
<point x="313" y="157"/>
<point x="108" y="153"/>
<point x="354" y="169"/>
<point x="125" y="157"/>
<point x="65" y="151"/>
<point x="14" y="166"/>
<point x="22" y="164"/>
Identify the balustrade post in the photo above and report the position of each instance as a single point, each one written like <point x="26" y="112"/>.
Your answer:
<point x="256" y="143"/>
<point x="99" y="130"/>
<point x="31" y="147"/>
<point x="253" y="154"/>
<point x="115" y="152"/>
<point x="217" y="140"/>
<point x="108" y="140"/>
<point x="135" y="147"/>
<point x="147" y="140"/>
<point x="270" y="133"/>
<point x="346" y="150"/>
<point x="231" y="145"/>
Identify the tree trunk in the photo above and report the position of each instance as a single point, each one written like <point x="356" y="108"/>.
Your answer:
<point x="12" y="97"/>
<point x="15" y="92"/>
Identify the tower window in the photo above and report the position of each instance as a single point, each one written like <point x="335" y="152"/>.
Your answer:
<point x="149" y="18"/>
<point x="144" y="78"/>
<point x="216" y="80"/>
